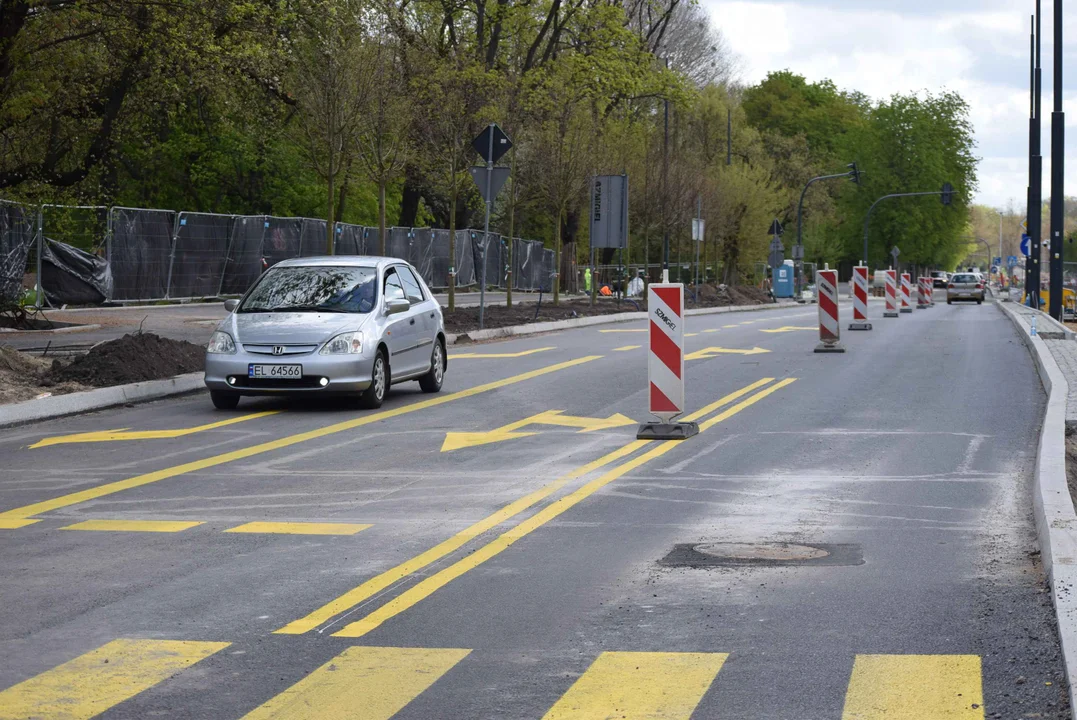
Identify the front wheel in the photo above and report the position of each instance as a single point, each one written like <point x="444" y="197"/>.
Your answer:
<point x="374" y="396"/>
<point x="431" y="382"/>
<point x="979" y="302"/>
<point x="224" y="400"/>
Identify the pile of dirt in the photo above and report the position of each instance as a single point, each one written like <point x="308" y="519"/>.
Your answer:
<point x="25" y="377"/>
<point x="725" y="295"/>
<point x="132" y="358"/>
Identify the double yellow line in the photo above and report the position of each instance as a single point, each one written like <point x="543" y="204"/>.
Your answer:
<point x="427" y="587"/>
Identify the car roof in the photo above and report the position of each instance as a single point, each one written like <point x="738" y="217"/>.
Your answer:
<point x="340" y="260"/>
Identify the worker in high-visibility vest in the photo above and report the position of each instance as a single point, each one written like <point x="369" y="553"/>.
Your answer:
<point x="587" y="279"/>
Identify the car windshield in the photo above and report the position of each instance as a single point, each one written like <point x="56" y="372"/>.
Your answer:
<point x="314" y="289"/>
<point x="964" y="279"/>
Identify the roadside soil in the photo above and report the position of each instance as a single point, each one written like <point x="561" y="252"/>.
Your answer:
<point x="132" y="358"/>
<point x="1071" y="465"/>
<point x="463" y="320"/>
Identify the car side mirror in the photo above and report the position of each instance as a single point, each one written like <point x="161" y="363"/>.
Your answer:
<point x="393" y="307"/>
<point x="231" y="304"/>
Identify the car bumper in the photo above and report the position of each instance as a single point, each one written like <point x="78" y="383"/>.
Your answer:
<point x="965" y="295"/>
<point x="322" y="374"/>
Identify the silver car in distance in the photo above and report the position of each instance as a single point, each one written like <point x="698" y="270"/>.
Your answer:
<point x="342" y="325"/>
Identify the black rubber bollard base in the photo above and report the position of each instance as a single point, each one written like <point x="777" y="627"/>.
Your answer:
<point x="824" y="348"/>
<point x="667" y="431"/>
<point x="890" y="314"/>
<point x="906" y="310"/>
<point x="860" y="326"/>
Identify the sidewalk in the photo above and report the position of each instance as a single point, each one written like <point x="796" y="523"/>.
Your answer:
<point x="1063" y="350"/>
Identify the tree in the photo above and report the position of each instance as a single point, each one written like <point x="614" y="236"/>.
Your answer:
<point x="332" y="82"/>
<point x="383" y="140"/>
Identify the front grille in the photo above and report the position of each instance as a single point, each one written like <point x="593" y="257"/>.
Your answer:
<point x="307" y="381"/>
<point x="287" y="349"/>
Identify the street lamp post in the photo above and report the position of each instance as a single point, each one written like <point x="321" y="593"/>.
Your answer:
<point x="946" y="194"/>
<point x="854" y="174"/>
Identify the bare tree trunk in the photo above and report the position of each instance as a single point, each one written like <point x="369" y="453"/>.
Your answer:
<point x="452" y="242"/>
<point x="557" y="258"/>
<point x="329" y="218"/>
<point x="381" y="216"/>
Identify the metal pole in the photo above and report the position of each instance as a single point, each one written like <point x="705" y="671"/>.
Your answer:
<point x="1058" y="179"/>
<point x="38" y="300"/>
<point x="867" y="218"/>
<point x="486" y="227"/>
<point x="1035" y="220"/>
<point x="699" y="241"/>
<point x="799" y="270"/>
<point x="665" y="190"/>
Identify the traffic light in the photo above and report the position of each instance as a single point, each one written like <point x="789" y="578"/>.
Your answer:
<point x="947" y="194"/>
<point x="854" y="172"/>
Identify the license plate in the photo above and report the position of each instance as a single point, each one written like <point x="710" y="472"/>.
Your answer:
<point x="284" y="372"/>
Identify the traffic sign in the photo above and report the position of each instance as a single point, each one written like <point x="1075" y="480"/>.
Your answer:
<point x="500" y="147"/>
<point x="777" y="253"/>
<point x="1026" y="243"/>
<point x="996" y="261"/>
<point x="1011" y="261"/>
<point x="498" y="176"/>
<point x="776" y="228"/>
<point x="699" y="225"/>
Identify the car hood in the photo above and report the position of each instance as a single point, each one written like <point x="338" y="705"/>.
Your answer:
<point x="290" y="328"/>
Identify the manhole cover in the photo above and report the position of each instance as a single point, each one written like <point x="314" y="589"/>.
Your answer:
<point x="713" y="554"/>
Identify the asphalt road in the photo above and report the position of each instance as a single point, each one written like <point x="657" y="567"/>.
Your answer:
<point x="552" y="568"/>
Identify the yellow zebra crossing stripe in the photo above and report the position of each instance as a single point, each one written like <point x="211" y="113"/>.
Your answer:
<point x="638" y="685"/>
<point x="92" y="683"/>
<point x="915" y="687"/>
<point x="299" y="528"/>
<point x="367" y="683"/>
<point x="161" y="526"/>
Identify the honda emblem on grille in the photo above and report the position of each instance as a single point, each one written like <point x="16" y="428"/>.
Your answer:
<point x="278" y="349"/>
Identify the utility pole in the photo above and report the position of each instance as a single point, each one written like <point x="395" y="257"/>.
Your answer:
<point x="1035" y="171"/>
<point x="1058" y="179"/>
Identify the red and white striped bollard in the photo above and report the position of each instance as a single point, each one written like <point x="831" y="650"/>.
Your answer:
<point x="826" y="282"/>
<point x="860" y="299"/>
<point x="906" y="293"/>
<point x="921" y="294"/>
<point x="891" y="294"/>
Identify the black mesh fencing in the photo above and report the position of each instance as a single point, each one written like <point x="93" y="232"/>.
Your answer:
<point x="17" y="233"/>
<point x="96" y="254"/>
<point x="199" y="255"/>
<point x="243" y="263"/>
<point x="140" y="252"/>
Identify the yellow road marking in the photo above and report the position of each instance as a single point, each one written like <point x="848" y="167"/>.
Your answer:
<point x="662" y="686"/>
<point x="90" y="684"/>
<point x="299" y="528"/>
<point x="443" y="577"/>
<point x="28" y="511"/>
<point x="725" y="327"/>
<point x="372" y="683"/>
<point x="789" y="328"/>
<point x="711" y="330"/>
<point x="690" y="334"/>
<point x="125" y="434"/>
<point x="708" y="353"/>
<point x="459" y="440"/>
<point x="626" y="348"/>
<point x="623" y="331"/>
<point x="522" y="353"/>
<point x="380" y="582"/>
<point x="915" y="687"/>
<point x="162" y="526"/>
<point x="15" y="523"/>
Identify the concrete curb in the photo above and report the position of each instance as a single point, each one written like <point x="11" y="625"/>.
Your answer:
<point x="80" y="402"/>
<point x="53" y="331"/>
<point x="533" y="328"/>
<point x="1056" y="520"/>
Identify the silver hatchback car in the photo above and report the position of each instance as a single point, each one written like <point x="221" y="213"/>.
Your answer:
<point x="342" y="325"/>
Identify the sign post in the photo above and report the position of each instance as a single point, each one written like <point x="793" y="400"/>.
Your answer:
<point x="491" y="144"/>
<point x="665" y="364"/>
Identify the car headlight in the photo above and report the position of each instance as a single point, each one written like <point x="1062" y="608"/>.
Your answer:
<point x="221" y="344"/>
<point x="344" y="344"/>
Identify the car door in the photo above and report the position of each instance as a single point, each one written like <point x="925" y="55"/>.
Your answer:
<point x="424" y="309"/>
<point x="399" y="328"/>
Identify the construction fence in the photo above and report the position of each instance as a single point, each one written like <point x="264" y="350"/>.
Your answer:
<point x="93" y="255"/>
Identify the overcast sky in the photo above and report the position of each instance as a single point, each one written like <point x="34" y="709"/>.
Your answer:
<point x="978" y="48"/>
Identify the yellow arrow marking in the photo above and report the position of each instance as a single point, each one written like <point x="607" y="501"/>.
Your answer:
<point x="460" y="440"/>
<point x="125" y="434"/>
<point x="789" y="328"/>
<point x="520" y="354"/>
<point x="707" y="353"/>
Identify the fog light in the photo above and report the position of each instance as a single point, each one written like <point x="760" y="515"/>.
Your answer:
<point x="231" y="379"/>
<point x="323" y="382"/>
